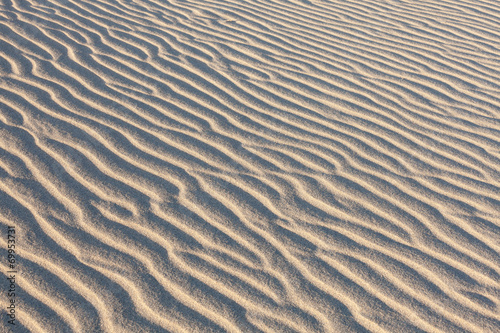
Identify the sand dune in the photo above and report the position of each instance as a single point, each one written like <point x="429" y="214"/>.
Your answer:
<point x="251" y="166"/>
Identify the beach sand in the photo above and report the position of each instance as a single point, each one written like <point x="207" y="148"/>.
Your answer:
<point x="250" y="166"/>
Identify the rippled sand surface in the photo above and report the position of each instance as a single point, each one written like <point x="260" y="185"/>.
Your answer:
<point x="251" y="166"/>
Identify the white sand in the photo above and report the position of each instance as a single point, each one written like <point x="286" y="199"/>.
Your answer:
<point x="251" y="166"/>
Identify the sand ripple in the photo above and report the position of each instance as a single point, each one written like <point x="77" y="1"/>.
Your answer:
<point x="252" y="166"/>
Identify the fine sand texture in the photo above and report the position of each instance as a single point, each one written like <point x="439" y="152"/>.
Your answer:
<point x="250" y="165"/>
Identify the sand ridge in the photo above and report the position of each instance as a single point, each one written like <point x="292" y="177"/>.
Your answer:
<point x="251" y="166"/>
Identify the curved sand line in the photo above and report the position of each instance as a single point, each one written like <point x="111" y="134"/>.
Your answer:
<point x="251" y="166"/>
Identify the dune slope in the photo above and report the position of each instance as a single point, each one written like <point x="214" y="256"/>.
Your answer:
<point x="251" y="166"/>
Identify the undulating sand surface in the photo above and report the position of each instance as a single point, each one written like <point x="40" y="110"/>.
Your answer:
<point x="250" y="166"/>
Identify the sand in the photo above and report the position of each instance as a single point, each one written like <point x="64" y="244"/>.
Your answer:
<point x="250" y="166"/>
